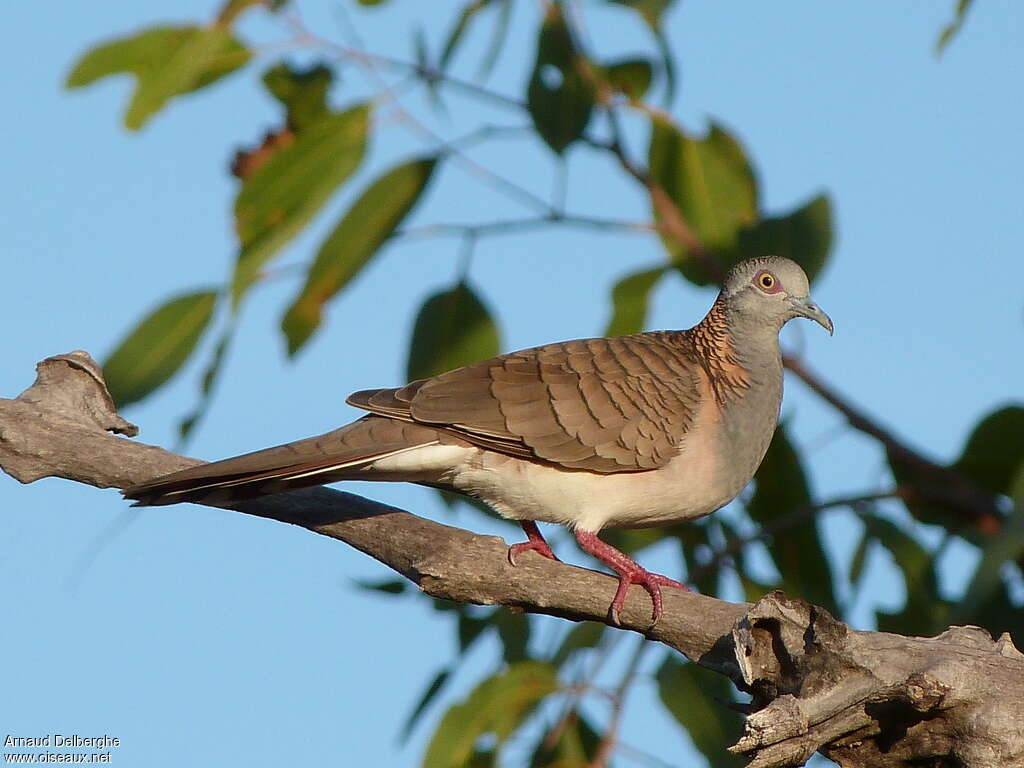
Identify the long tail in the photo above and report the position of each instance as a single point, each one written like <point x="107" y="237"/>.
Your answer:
<point x="332" y="456"/>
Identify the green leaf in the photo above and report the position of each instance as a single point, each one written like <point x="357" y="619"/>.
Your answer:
<point x="470" y="629"/>
<point x="497" y="706"/>
<point x="576" y="747"/>
<point x="166" y="62"/>
<point x="953" y="28"/>
<point x="797" y="551"/>
<point x="629" y="302"/>
<point x="232" y="9"/>
<point x="458" y="30"/>
<point x="210" y="376"/>
<point x="560" y="98"/>
<point x="514" y="631"/>
<point x="805" y="236"/>
<point x="453" y="329"/>
<point x="653" y="13"/>
<point x="277" y="201"/>
<point x="860" y="556"/>
<point x="995" y="450"/>
<point x="1007" y="547"/>
<point x="303" y="92"/>
<point x="711" y="184"/>
<point x="923" y="613"/>
<point x="158" y="346"/>
<point x="630" y="77"/>
<point x="360" y="233"/>
<point x="693" y="696"/>
<point x="429" y="694"/>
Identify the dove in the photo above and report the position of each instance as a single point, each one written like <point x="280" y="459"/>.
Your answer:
<point x="634" y="431"/>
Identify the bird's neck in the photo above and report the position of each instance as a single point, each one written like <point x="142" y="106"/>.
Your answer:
<point x="736" y="351"/>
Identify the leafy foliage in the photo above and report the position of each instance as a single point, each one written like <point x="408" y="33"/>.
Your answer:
<point x="166" y="62"/>
<point x="704" y="202"/>
<point x="158" y="346"/>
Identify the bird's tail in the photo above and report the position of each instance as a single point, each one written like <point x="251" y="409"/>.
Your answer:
<point x="336" y="455"/>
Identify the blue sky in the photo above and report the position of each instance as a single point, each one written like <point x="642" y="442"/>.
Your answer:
<point x="207" y="638"/>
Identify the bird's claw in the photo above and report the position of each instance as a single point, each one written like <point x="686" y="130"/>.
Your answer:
<point x="652" y="583"/>
<point x="540" y="547"/>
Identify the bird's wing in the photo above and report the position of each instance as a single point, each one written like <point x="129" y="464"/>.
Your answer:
<point x="601" y="405"/>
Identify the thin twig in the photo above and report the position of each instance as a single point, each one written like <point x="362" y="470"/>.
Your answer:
<point x="521" y="225"/>
<point x="786" y="522"/>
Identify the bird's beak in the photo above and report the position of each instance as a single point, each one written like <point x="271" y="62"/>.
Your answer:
<point x="806" y="308"/>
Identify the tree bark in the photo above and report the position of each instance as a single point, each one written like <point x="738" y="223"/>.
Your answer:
<point x="861" y="698"/>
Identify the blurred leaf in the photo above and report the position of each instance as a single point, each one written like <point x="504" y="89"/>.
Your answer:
<point x="501" y="25"/>
<point x="470" y="628"/>
<point x="923" y="613"/>
<point x="453" y="329"/>
<point x="712" y="185"/>
<point x="653" y="12"/>
<point x="233" y="8"/>
<point x="466" y="15"/>
<point x="498" y="705"/>
<point x="585" y="634"/>
<point x="387" y="586"/>
<point x="576" y="746"/>
<point x="998" y="614"/>
<point x="276" y="202"/>
<point x="805" y="236"/>
<point x="360" y="233"/>
<point x="559" y="97"/>
<point x="753" y="589"/>
<point x="429" y="694"/>
<point x="797" y="551"/>
<point x="693" y="695"/>
<point x="514" y="631"/>
<point x="630" y="77"/>
<point x="303" y="92"/>
<point x="995" y="450"/>
<point x="1008" y="546"/>
<point x="629" y="302"/>
<point x="210" y="375"/>
<point x="166" y="62"/>
<point x="158" y="346"/>
<point x="860" y="556"/>
<point x="953" y="28"/>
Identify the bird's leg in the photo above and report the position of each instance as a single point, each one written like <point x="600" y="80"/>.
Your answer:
<point x="630" y="572"/>
<point x="536" y="543"/>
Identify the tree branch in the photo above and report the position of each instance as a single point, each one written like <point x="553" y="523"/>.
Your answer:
<point x="862" y="698"/>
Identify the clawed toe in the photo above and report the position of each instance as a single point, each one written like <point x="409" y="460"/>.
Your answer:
<point x="540" y="547"/>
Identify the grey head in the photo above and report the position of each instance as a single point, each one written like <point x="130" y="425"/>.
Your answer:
<point x="771" y="291"/>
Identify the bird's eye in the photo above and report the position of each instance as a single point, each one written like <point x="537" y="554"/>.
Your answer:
<point x="766" y="281"/>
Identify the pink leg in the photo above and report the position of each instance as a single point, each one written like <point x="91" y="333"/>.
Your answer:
<point x="629" y="573"/>
<point x="536" y="543"/>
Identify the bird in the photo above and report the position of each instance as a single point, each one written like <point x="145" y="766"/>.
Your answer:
<point x="635" y="431"/>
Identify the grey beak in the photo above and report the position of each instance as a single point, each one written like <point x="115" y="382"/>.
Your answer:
<point x="806" y="308"/>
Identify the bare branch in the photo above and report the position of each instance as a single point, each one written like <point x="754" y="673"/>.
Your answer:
<point x="862" y="698"/>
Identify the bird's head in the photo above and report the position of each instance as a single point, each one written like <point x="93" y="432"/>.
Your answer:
<point x="772" y="290"/>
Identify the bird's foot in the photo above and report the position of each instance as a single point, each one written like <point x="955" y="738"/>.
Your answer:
<point x="652" y="582"/>
<point x="630" y="572"/>
<point x="535" y="543"/>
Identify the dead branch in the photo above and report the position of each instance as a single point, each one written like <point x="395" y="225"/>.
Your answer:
<point x="862" y="698"/>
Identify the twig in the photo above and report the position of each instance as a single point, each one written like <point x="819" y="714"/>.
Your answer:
<point x="786" y="522"/>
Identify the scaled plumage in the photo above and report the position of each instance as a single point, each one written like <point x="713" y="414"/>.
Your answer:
<point x="633" y="431"/>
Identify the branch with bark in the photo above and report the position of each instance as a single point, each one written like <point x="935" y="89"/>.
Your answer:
<point x="861" y="698"/>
